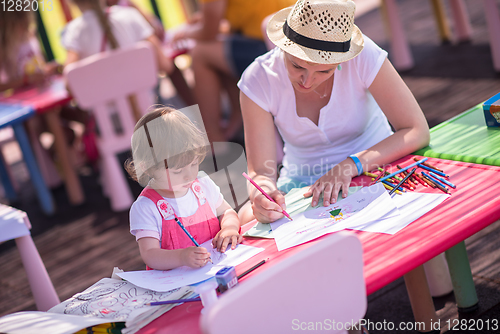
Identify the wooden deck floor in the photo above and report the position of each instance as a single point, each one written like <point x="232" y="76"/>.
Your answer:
<point x="81" y="245"/>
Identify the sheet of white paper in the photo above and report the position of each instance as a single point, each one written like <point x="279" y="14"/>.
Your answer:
<point x="46" y="323"/>
<point x="164" y="280"/>
<point x="369" y="203"/>
<point x="411" y="206"/>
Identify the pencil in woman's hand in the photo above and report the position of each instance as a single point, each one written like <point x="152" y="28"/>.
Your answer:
<point x="264" y="193"/>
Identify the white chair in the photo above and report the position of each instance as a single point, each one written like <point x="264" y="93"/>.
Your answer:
<point x="14" y="224"/>
<point x="117" y="86"/>
<point x="318" y="285"/>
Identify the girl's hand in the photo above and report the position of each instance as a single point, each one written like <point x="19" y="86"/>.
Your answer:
<point x="339" y="177"/>
<point x="226" y="235"/>
<point x="195" y="257"/>
<point x="266" y="211"/>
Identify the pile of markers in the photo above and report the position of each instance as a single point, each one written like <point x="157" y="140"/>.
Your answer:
<point x="402" y="180"/>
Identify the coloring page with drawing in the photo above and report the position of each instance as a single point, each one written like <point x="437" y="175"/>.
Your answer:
<point x="367" y="204"/>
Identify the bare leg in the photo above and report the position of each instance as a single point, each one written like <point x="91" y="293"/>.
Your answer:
<point x="181" y="86"/>
<point x="209" y="63"/>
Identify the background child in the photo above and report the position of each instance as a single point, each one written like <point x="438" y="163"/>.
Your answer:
<point x="167" y="149"/>
<point x="99" y="29"/>
<point x="21" y="60"/>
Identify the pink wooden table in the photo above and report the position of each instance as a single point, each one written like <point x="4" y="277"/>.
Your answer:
<point x="47" y="100"/>
<point x="474" y="205"/>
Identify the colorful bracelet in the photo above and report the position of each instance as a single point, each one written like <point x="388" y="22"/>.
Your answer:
<point x="359" y="166"/>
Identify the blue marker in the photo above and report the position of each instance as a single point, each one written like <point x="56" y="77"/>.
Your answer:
<point x="432" y="170"/>
<point x="433" y="179"/>
<point x="443" y="180"/>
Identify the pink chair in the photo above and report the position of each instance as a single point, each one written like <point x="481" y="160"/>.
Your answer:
<point x="321" y="283"/>
<point x="118" y="87"/>
<point x="15" y="224"/>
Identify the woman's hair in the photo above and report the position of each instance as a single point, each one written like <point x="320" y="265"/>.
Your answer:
<point x="103" y="20"/>
<point x="164" y="138"/>
<point x="11" y="24"/>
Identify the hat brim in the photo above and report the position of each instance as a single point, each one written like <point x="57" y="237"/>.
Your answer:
<point x="276" y="35"/>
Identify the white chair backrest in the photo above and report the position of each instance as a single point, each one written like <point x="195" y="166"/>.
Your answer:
<point x="318" y="285"/>
<point x="104" y="81"/>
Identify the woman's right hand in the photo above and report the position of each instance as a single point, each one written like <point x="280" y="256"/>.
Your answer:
<point x="266" y="211"/>
<point x="195" y="257"/>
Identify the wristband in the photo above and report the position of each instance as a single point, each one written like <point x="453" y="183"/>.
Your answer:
<point x="359" y="166"/>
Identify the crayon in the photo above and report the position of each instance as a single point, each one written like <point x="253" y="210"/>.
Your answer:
<point x="189" y="235"/>
<point x="264" y="193"/>
<point x="421" y="180"/>
<point x="410" y="180"/>
<point x="443" y="180"/>
<point x="390" y="188"/>
<point x="433" y="170"/>
<point x="403" y="180"/>
<point x="436" y="181"/>
<point x="429" y="165"/>
<point x="252" y="269"/>
<point x="370" y="174"/>
<point x="403" y="169"/>
<point x="393" y="185"/>
<point x="436" y="185"/>
<point x="174" y="301"/>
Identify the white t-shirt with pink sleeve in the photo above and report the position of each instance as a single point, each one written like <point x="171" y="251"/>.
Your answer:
<point x="351" y="122"/>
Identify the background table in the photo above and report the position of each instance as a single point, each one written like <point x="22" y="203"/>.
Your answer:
<point x="465" y="137"/>
<point x="474" y="205"/>
<point x="14" y="115"/>
<point x="47" y="101"/>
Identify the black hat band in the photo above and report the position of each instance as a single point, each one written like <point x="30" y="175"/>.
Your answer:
<point x="315" y="44"/>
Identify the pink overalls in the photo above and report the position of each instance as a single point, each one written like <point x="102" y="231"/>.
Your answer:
<point x="203" y="225"/>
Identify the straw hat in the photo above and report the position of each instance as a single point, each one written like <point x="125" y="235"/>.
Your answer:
<point x="319" y="31"/>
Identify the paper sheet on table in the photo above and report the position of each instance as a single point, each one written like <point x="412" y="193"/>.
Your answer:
<point x="45" y="323"/>
<point x="295" y="203"/>
<point x="368" y="204"/>
<point x="164" y="280"/>
<point x="115" y="300"/>
<point x="411" y="206"/>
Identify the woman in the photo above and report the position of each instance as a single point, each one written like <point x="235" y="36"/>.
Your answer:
<point x="331" y="93"/>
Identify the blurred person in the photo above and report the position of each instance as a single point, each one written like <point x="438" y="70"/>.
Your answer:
<point x="218" y="60"/>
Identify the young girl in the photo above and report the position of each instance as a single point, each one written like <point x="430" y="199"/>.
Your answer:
<point x="167" y="149"/>
<point x="21" y="61"/>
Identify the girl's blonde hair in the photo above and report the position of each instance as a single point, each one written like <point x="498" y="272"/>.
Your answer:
<point x="103" y="20"/>
<point x="10" y="41"/>
<point x="164" y="138"/>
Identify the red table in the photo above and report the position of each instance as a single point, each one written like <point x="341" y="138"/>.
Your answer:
<point x="474" y="205"/>
<point x="47" y="100"/>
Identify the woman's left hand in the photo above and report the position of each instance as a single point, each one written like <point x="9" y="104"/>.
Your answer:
<point x="337" y="178"/>
<point x="225" y="236"/>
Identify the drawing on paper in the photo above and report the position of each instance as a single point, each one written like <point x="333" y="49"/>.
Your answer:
<point x="115" y="300"/>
